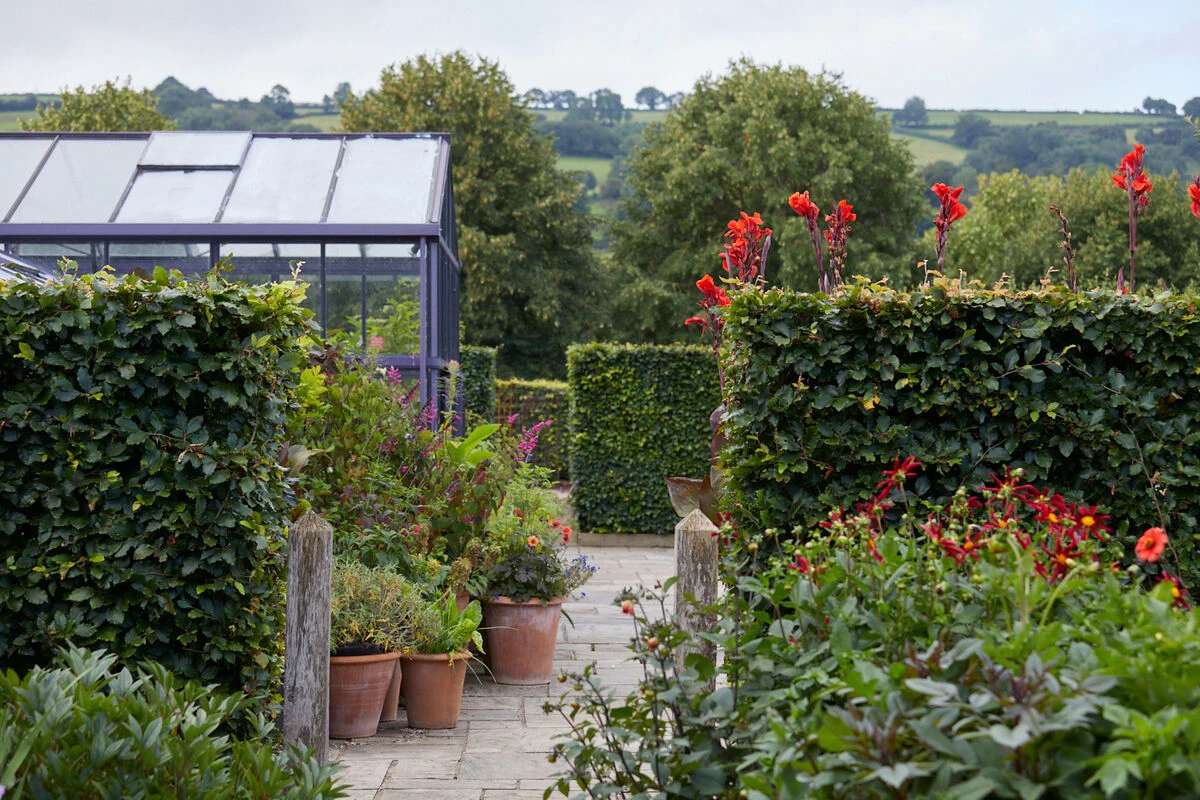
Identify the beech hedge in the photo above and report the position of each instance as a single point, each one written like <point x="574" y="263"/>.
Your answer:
<point x="479" y="382"/>
<point x="639" y="415"/>
<point x="1095" y="394"/>
<point x="534" y="402"/>
<point x="141" y="505"/>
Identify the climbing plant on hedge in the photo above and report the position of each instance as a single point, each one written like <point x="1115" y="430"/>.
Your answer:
<point x="639" y="414"/>
<point x="140" y="498"/>
<point x="1096" y="394"/>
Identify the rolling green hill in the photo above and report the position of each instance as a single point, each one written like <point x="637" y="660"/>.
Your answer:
<point x="926" y="150"/>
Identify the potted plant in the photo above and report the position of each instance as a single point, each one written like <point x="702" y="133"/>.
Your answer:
<point x="435" y="661"/>
<point x="525" y="592"/>
<point x="368" y="622"/>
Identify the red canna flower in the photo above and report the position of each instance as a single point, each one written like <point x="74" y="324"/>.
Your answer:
<point x="835" y="236"/>
<point x="1194" y="194"/>
<point x="1130" y="177"/>
<point x="747" y="248"/>
<point x="806" y="208"/>
<point x="1151" y="544"/>
<point x="950" y="210"/>
<point x="713" y="295"/>
<point x="803" y="206"/>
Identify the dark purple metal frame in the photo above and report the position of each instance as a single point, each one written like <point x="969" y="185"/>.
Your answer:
<point x="436" y="243"/>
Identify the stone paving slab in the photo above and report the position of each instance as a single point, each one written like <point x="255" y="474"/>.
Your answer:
<point x="498" y="751"/>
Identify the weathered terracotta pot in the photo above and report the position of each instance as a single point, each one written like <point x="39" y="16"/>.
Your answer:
<point x="433" y="688"/>
<point x="391" y="701"/>
<point x="462" y="599"/>
<point x="357" y="687"/>
<point x="520" y="639"/>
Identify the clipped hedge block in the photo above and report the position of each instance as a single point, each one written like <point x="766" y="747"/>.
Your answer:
<point x="1095" y="395"/>
<point x="479" y="382"/>
<point x="639" y="415"/>
<point x="537" y="401"/>
<point x="141" y="505"/>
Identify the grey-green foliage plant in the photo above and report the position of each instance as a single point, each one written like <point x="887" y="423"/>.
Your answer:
<point x="88" y="730"/>
<point x="371" y="607"/>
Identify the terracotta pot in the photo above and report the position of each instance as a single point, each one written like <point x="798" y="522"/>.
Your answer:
<point x="357" y="687"/>
<point x="462" y="599"/>
<point x="520" y="639"/>
<point x="391" y="701"/>
<point x="433" y="687"/>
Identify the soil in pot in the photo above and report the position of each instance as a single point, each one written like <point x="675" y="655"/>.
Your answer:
<point x="433" y="687"/>
<point x="357" y="687"/>
<point x="520" y="639"/>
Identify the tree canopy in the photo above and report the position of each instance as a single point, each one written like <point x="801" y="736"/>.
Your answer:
<point x="529" y="277"/>
<point x="744" y="141"/>
<point x="1011" y="231"/>
<point x="913" y="114"/>
<point x="104" y="108"/>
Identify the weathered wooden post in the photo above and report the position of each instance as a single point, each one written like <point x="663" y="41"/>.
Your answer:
<point x="306" y="637"/>
<point x="696" y="565"/>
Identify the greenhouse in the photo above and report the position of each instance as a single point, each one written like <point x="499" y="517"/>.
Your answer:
<point x="366" y="219"/>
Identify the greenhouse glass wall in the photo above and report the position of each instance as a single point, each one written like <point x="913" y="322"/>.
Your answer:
<point x="367" y="219"/>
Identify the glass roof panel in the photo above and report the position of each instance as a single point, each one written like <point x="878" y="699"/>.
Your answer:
<point x="385" y="181"/>
<point x="176" y="196"/>
<point x="82" y="181"/>
<point x="192" y="149"/>
<point x="283" y="180"/>
<point x="20" y="158"/>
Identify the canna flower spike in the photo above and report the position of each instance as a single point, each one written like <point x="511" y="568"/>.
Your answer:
<point x="950" y="211"/>
<point x="1131" y="177"/>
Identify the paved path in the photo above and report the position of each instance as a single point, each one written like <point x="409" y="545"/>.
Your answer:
<point x="498" y="751"/>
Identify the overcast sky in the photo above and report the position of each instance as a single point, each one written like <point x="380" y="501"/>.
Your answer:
<point x="1019" y="54"/>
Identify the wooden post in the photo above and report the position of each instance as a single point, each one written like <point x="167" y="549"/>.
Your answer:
<point x="306" y="637"/>
<point x="696" y="565"/>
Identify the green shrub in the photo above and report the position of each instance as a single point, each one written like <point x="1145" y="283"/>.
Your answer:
<point x="1093" y="393"/>
<point x="639" y="415"/>
<point x="479" y="383"/>
<point x="141" y="503"/>
<point x="537" y="401"/>
<point x="83" y="730"/>
<point x="954" y="658"/>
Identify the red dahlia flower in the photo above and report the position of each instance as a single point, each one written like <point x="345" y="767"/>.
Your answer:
<point x="1151" y="545"/>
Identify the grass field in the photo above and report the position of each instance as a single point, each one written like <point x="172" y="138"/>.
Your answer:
<point x="325" y="122"/>
<point x="8" y="119"/>
<point x="600" y="167"/>
<point x="926" y="151"/>
<point x="940" y="118"/>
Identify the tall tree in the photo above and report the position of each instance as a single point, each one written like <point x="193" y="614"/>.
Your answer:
<point x="1156" y="105"/>
<point x="536" y="98"/>
<point x="969" y="128"/>
<point x="649" y="97"/>
<point x="341" y="92"/>
<point x="530" y="281"/>
<point x="913" y="114"/>
<point x="104" y="108"/>
<point x="1192" y="108"/>
<point x="279" y="101"/>
<point x="745" y="141"/>
<point x="608" y="105"/>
